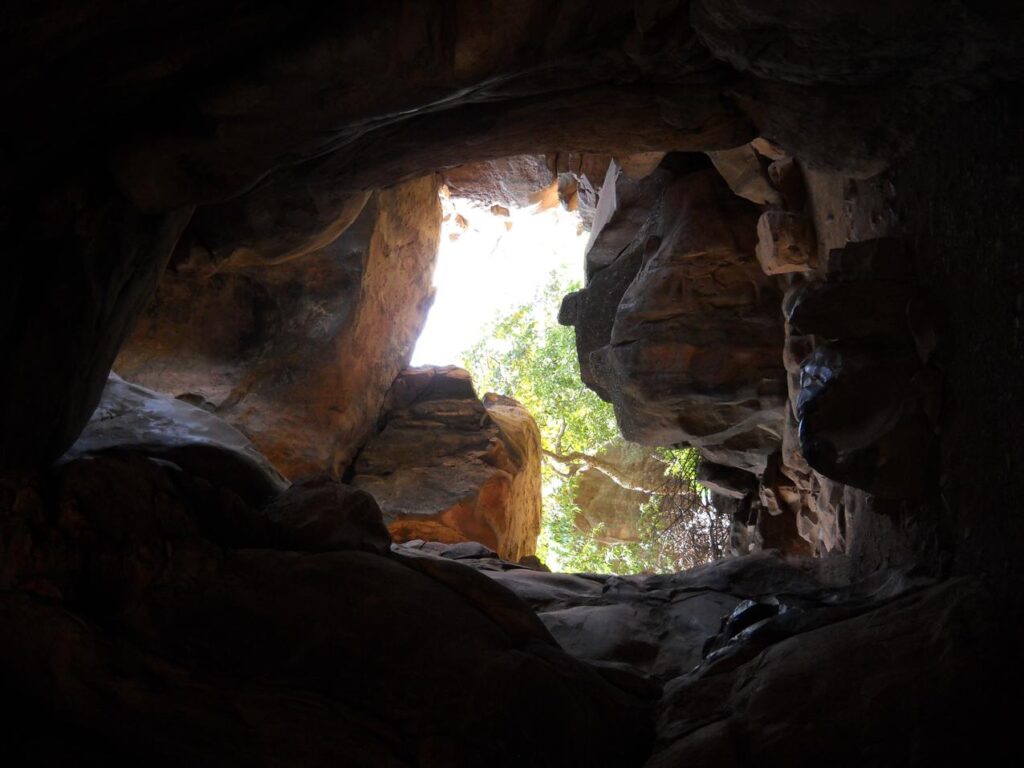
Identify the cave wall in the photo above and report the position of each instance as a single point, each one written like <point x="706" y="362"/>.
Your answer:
<point x="773" y="320"/>
<point x="151" y="614"/>
<point x="288" y="108"/>
<point x="296" y="351"/>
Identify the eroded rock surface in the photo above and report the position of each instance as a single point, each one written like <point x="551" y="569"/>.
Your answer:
<point x="688" y="352"/>
<point x="296" y="353"/>
<point x="766" y="660"/>
<point x="137" y="621"/>
<point x="446" y="466"/>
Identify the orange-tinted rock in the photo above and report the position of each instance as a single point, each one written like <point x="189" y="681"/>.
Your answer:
<point x="298" y="354"/>
<point x="448" y="467"/>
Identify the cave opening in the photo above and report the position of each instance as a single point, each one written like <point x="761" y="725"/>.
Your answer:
<point x="607" y="505"/>
<point x="237" y="527"/>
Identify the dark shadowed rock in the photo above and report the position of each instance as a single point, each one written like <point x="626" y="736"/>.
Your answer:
<point x="133" y="418"/>
<point x="320" y="514"/>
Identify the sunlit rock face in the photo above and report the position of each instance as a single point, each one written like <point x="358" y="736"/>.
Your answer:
<point x="446" y="466"/>
<point x="297" y="351"/>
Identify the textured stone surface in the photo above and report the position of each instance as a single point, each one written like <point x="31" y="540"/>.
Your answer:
<point x="136" y="634"/>
<point x="746" y="174"/>
<point x="510" y="182"/>
<point x="133" y="418"/>
<point x="447" y="466"/>
<point x="785" y="243"/>
<point x="692" y="355"/>
<point x="297" y="354"/>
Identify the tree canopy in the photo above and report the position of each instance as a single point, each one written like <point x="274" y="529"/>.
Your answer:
<point x="526" y="354"/>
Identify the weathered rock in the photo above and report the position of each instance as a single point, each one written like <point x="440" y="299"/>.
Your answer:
<point x="867" y="406"/>
<point x="785" y="243"/>
<point x="884" y="682"/>
<point x="298" y="355"/>
<point x="510" y="182"/>
<point x="448" y="467"/>
<point x="319" y="514"/>
<point x="133" y="418"/>
<point x="147" y="623"/>
<point x="63" y="317"/>
<point x="639" y="165"/>
<point x="693" y="354"/>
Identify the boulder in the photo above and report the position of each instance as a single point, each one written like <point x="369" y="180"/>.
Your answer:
<point x="133" y="418"/>
<point x="446" y="466"/>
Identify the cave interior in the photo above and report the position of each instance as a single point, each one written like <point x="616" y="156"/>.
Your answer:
<point x="221" y="221"/>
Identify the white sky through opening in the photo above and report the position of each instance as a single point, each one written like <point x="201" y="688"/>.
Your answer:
<point x="489" y="267"/>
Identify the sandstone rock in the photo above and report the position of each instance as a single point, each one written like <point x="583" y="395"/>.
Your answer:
<point x="133" y="418"/>
<point x="862" y="419"/>
<point x="768" y="149"/>
<point x="197" y="648"/>
<point x="298" y="355"/>
<point x="867" y="406"/>
<point x="785" y="243"/>
<point x="746" y="176"/>
<point x="510" y="182"/>
<point x="319" y="514"/>
<point x="684" y="362"/>
<point x="835" y="657"/>
<point x="64" y="317"/>
<point x="640" y="165"/>
<point x="787" y="178"/>
<point x="448" y="467"/>
<point x="880" y="258"/>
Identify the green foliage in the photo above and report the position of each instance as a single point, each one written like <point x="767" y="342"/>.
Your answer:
<point x="525" y="354"/>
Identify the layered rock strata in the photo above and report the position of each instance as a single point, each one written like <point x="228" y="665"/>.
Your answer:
<point x="447" y="466"/>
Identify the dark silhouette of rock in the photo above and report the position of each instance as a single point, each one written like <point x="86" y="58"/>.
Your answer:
<point x="136" y="419"/>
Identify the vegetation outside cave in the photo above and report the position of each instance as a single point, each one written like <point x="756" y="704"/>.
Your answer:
<point x="526" y="354"/>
